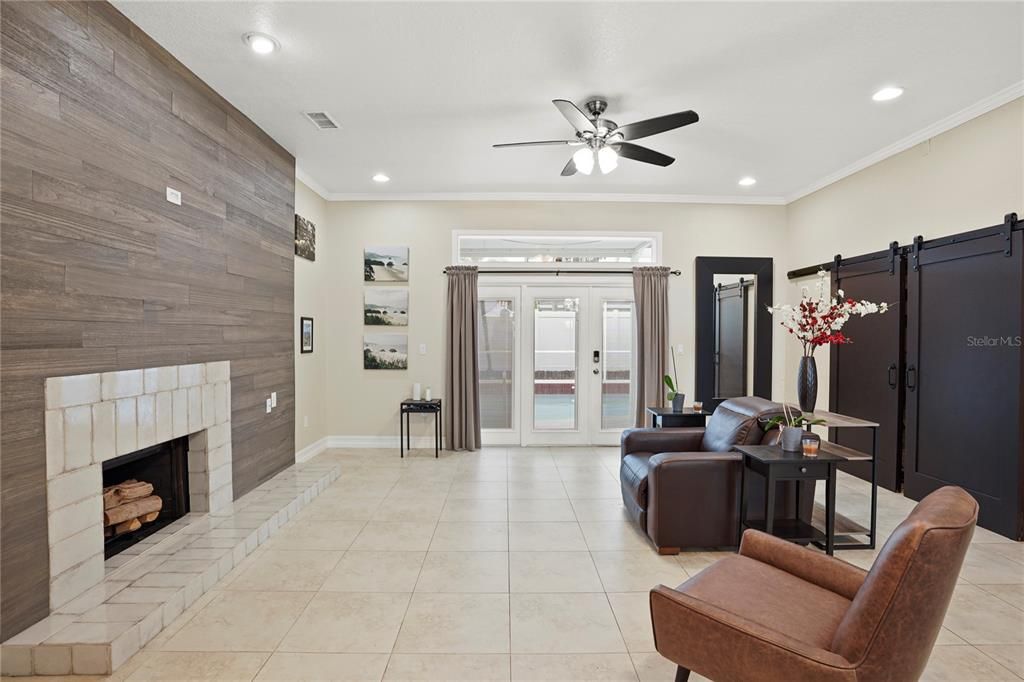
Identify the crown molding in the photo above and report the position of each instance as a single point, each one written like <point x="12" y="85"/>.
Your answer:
<point x="562" y="196"/>
<point x="311" y="183"/>
<point x="977" y="109"/>
<point x="946" y="124"/>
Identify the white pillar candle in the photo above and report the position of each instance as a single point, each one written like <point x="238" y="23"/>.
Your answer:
<point x="428" y="393"/>
<point x="415" y="391"/>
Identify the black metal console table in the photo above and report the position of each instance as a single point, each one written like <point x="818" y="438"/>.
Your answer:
<point x="409" y="407"/>
<point x="664" y="417"/>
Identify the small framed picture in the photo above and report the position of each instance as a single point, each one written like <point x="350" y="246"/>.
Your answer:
<point x="306" y="334"/>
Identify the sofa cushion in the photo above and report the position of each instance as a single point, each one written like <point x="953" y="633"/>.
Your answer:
<point x="633" y="477"/>
<point x="737" y="422"/>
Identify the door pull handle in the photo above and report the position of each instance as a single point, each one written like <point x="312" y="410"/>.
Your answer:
<point x="911" y="378"/>
<point x="892" y="375"/>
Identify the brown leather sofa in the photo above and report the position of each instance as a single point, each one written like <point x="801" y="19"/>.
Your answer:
<point x="781" y="613"/>
<point x="682" y="486"/>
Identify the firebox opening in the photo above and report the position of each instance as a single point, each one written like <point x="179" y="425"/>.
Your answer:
<point x="144" y="491"/>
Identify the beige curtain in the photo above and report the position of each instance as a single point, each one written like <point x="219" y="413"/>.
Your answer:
<point x="462" y="372"/>
<point x="650" y="301"/>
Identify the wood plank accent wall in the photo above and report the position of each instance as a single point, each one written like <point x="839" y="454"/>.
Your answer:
<point x="100" y="272"/>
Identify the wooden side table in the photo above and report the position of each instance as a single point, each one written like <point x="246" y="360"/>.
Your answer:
<point x="665" y="418"/>
<point x="409" y="407"/>
<point x="775" y="464"/>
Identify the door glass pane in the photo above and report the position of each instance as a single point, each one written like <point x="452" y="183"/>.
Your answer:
<point x="496" y="354"/>
<point x="554" y="363"/>
<point x="617" y="368"/>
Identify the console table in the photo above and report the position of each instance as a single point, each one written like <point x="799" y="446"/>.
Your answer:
<point x="833" y="420"/>
<point x="409" y="407"/>
<point x="665" y="418"/>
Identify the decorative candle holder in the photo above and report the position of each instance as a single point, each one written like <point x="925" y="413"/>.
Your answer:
<point x="810" y="443"/>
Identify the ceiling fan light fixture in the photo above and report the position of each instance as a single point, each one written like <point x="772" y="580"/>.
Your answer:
<point x="607" y="159"/>
<point x="584" y="160"/>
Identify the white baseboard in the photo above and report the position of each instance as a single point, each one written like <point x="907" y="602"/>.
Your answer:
<point x="380" y="442"/>
<point x="311" y="450"/>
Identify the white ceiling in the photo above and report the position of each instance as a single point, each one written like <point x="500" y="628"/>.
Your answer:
<point x="423" y="89"/>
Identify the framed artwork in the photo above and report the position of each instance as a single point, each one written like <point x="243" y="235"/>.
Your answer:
<point x="305" y="238"/>
<point x="386" y="264"/>
<point x="306" y="334"/>
<point x="386" y="307"/>
<point x="385" y="351"/>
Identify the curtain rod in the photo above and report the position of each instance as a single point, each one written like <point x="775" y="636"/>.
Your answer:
<point x="558" y="271"/>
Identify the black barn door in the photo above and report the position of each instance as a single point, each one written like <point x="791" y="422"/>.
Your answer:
<point x="963" y="373"/>
<point x="731" y="339"/>
<point x="866" y="376"/>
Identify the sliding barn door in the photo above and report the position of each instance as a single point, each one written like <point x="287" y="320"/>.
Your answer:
<point x="963" y="372"/>
<point x="866" y="376"/>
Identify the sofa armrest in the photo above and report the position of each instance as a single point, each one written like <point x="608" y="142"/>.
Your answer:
<point x="693" y="499"/>
<point x="661" y="440"/>
<point x="824" y="571"/>
<point x="722" y="646"/>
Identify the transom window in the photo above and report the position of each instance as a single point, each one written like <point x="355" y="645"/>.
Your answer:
<point x="546" y="249"/>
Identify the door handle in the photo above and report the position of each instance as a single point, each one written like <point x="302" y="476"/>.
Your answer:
<point x="911" y="378"/>
<point x="597" y="371"/>
<point x="892" y="375"/>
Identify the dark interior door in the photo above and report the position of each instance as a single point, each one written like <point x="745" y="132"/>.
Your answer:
<point x="731" y="340"/>
<point x="963" y="374"/>
<point x="865" y="377"/>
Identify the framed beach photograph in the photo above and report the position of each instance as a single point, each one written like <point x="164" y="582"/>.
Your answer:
<point x="386" y="307"/>
<point x="386" y="264"/>
<point x="306" y="334"/>
<point x="385" y="351"/>
<point x="305" y="238"/>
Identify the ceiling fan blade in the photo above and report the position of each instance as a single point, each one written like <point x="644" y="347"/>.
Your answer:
<point x="634" y="151"/>
<point x="570" y="168"/>
<point x="543" y="143"/>
<point x="653" y="126"/>
<point x="577" y="118"/>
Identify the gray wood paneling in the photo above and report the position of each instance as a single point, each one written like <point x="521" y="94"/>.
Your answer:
<point x="100" y="272"/>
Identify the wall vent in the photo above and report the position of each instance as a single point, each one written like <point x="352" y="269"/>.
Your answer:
<point x="321" y="119"/>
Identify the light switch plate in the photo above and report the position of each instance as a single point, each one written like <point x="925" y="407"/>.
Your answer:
<point x="423" y="349"/>
<point x="174" y="196"/>
<point x="679" y="348"/>
<point x="268" y="405"/>
<point x="305" y="421"/>
<point x="273" y="399"/>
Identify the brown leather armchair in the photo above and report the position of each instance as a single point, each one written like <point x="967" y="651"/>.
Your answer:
<point x="682" y="486"/>
<point x="781" y="613"/>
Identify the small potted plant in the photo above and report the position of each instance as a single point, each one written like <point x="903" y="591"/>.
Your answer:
<point x="792" y="426"/>
<point x="675" y="397"/>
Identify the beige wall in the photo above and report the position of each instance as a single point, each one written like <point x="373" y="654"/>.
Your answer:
<point x="312" y="296"/>
<point x="963" y="179"/>
<point x="365" y="403"/>
<point x="966" y="178"/>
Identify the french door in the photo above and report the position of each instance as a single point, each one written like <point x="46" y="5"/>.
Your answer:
<point x="556" y="364"/>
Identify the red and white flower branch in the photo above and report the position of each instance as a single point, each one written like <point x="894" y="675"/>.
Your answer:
<point x="818" y="320"/>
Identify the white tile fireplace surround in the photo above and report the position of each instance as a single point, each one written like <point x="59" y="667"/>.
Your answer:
<point x="92" y="418"/>
<point x="102" y="612"/>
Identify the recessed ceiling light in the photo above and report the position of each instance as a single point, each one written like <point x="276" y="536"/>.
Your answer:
<point x="380" y="177"/>
<point x="260" y="43"/>
<point x="888" y="93"/>
<point x="747" y="181"/>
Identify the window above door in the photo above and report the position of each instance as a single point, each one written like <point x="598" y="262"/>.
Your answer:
<point x="543" y="249"/>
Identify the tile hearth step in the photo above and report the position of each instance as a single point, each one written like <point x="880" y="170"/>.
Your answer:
<point x="154" y="581"/>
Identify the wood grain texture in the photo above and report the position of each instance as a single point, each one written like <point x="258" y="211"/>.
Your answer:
<point x="100" y="272"/>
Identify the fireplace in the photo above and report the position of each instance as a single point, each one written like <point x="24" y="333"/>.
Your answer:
<point x="144" y="491"/>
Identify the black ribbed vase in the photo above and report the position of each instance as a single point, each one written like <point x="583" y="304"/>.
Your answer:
<point x="807" y="383"/>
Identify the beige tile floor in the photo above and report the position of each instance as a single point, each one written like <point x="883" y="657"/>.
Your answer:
<point x="505" y="564"/>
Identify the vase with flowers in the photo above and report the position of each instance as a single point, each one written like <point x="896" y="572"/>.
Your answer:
<point x="818" y="320"/>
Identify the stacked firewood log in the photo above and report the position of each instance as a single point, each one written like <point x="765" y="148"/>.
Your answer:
<point x="128" y="505"/>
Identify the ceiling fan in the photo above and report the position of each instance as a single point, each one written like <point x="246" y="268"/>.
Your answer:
<point x="602" y="142"/>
